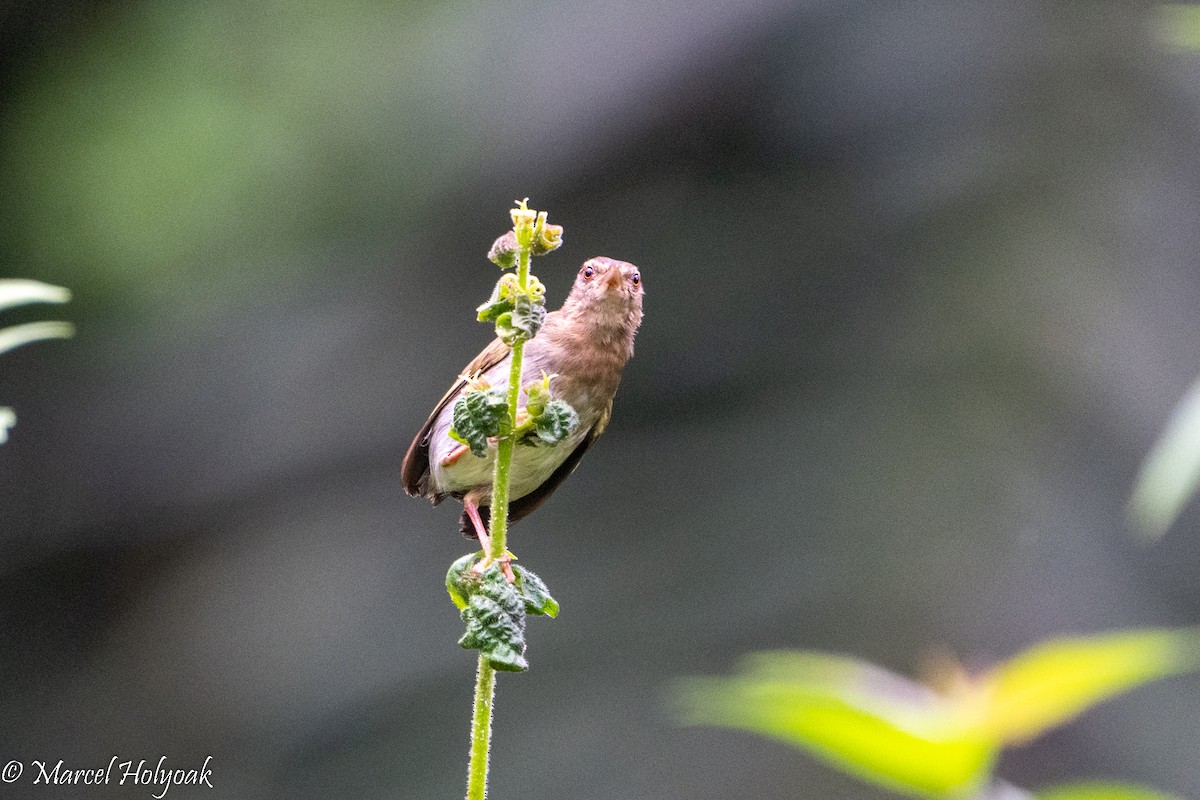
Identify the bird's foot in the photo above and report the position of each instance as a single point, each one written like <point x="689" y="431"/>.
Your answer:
<point x="471" y="504"/>
<point x="505" y="562"/>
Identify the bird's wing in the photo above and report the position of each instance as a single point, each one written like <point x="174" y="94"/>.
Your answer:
<point x="415" y="471"/>
<point x="524" y="506"/>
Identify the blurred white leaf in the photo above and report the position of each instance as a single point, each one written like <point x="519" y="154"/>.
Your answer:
<point x="8" y="419"/>
<point x="1170" y="474"/>
<point x="18" y="335"/>
<point x="18" y="292"/>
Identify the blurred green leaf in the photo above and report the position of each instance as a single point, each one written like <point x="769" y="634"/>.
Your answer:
<point x="16" y="292"/>
<point x="1098" y="790"/>
<point x="1170" y="474"/>
<point x="892" y="731"/>
<point x="867" y="721"/>
<point x="18" y="335"/>
<point x="1054" y="682"/>
<point x="1179" y="26"/>
<point x="195" y="150"/>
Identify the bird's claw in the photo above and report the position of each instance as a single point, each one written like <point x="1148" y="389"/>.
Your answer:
<point x="505" y="563"/>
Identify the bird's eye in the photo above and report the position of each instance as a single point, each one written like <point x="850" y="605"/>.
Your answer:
<point x="588" y="272"/>
<point x="637" y="278"/>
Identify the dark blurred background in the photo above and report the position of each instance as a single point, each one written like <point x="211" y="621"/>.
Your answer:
<point x="921" y="292"/>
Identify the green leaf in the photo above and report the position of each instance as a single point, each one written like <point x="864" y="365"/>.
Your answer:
<point x="461" y="580"/>
<point x="521" y="323"/>
<point x="495" y="617"/>
<point x="18" y="335"/>
<point x="1101" y="790"/>
<point x="501" y="301"/>
<point x="16" y="292"/>
<point x="478" y="416"/>
<point x="1056" y="681"/>
<point x="1179" y="26"/>
<point x="534" y="593"/>
<point x="865" y="720"/>
<point x="1170" y="474"/>
<point x="555" y="424"/>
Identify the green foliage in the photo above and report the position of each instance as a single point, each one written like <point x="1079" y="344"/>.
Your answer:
<point x="915" y="739"/>
<point x="494" y="610"/>
<point x="548" y="421"/>
<point x="1095" y="790"/>
<point x="517" y="312"/>
<point x="480" y="414"/>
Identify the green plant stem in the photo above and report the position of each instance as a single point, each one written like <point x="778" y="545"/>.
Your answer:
<point x="498" y="527"/>
<point x="485" y="678"/>
<point x="481" y="731"/>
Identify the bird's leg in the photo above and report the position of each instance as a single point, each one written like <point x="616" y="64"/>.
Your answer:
<point x="471" y="504"/>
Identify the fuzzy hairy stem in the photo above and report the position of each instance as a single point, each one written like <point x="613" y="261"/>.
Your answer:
<point x="481" y="731"/>
<point x="485" y="679"/>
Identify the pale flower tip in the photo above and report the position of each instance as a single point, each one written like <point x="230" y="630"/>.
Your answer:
<point x="523" y="218"/>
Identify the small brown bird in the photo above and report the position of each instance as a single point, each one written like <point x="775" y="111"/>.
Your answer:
<point x="584" y="345"/>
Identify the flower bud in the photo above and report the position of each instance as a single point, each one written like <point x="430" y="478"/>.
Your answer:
<point x="504" y="251"/>
<point x="548" y="238"/>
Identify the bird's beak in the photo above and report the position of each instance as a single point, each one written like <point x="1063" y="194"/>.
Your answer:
<point x="614" y="278"/>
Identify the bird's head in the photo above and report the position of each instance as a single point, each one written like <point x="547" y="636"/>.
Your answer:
<point x="607" y="294"/>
